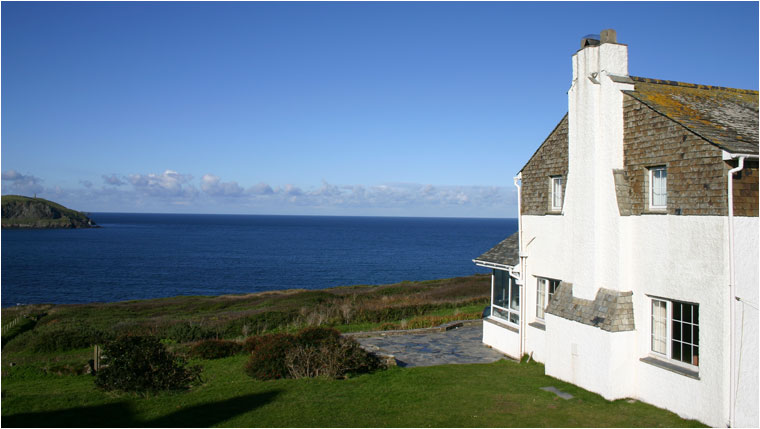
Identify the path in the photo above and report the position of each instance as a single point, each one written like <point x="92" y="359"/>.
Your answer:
<point x="433" y="347"/>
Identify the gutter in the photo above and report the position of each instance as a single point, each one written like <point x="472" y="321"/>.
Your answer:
<point x="732" y="284"/>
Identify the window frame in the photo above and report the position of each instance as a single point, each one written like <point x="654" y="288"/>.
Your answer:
<point x="511" y="281"/>
<point x="545" y="291"/>
<point x="667" y="355"/>
<point x="651" y="172"/>
<point x="553" y="195"/>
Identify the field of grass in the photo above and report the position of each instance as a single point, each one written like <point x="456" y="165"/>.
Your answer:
<point x="45" y="355"/>
<point x="190" y="318"/>
<point x="504" y="394"/>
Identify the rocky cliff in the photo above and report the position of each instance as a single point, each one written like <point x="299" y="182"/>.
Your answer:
<point x="25" y="212"/>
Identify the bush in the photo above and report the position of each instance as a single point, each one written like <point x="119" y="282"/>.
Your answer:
<point x="312" y="352"/>
<point x="215" y="349"/>
<point x="267" y="361"/>
<point x="142" y="364"/>
<point x="186" y="332"/>
<point x="65" y="338"/>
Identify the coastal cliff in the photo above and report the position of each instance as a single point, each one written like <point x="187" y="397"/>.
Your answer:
<point x="25" y="212"/>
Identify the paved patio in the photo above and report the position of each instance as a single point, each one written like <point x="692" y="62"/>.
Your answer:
<point x="433" y="347"/>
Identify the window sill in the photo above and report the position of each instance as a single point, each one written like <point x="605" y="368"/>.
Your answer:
<point x="655" y="212"/>
<point x="554" y="213"/>
<point x="501" y="324"/>
<point x="538" y="325"/>
<point x="670" y="367"/>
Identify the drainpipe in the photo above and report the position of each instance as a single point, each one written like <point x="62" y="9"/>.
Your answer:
<point x="518" y="185"/>
<point x="732" y="282"/>
<point x="732" y="292"/>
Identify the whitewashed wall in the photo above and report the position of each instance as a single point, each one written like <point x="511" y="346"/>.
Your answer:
<point x="501" y="339"/>
<point x="747" y="281"/>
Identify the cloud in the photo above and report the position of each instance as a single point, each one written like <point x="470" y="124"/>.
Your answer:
<point x="290" y="190"/>
<point x="86" y="183"/>
<point x="260" y="189"/>
<point x="168" y="184"/>
<point x="113" y="180"/>
<point x="23" y="184"/>
<point x="214" y="187"/>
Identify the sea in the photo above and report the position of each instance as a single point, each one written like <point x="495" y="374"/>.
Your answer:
<point x="140" y="256"/>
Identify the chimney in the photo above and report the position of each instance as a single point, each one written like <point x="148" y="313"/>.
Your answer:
<point x="608" y="36"/>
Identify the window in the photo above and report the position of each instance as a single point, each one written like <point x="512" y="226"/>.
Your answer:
<point x="505" y="301"/>
<point x="544" y="287"/>
<point x="556" y="193"/>
<point x="675" y="330"/>
<point x="658" y="188"/>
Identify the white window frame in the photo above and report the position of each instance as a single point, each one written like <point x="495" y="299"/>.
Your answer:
<point x="556" y="192"/>
<point x="668" y="354"/>
<point x="543" y="290"/>
<point x="652" y="205"/>
<point x="509" y="311"/>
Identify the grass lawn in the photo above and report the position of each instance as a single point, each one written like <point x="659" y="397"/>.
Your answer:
<point x="504" y="394"/>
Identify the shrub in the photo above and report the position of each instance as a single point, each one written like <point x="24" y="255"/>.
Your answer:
<point x="215" y="349"/>
<point x="186" y="332"/>
<point x="312" y="352"/>
<point x="65" y="338"/>
<point x="142" y="364"/>
<point x="267" y="361"/>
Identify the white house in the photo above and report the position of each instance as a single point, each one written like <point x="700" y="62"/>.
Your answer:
<point x="634" y="273"/>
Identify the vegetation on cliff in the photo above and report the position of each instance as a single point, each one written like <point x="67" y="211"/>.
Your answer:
<point x="24" y="212"/>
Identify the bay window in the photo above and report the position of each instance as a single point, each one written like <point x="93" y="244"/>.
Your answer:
<point x="505" y="297"/>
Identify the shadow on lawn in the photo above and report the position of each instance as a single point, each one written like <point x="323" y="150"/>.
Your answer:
<point x="121" y="414"/>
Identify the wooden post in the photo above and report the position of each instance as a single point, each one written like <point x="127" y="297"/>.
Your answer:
<point x="96" y="358"/>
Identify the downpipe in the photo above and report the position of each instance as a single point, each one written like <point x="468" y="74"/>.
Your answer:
<point x="518" y="184"/>
<point x="732" y="295"/>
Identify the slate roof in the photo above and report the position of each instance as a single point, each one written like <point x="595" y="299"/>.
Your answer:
<point x="504" y="253"/>
<point x="725" y="117"/>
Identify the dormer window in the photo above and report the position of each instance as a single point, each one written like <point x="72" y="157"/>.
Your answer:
<point x="556" y="197"/>
<point x="658" y="188"/>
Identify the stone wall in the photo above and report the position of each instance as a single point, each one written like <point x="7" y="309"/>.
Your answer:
<point x="549" y="160"/>
<point x="696" y="181"/>
<point x="746" y="190"/>
<point x="610" y="310"/>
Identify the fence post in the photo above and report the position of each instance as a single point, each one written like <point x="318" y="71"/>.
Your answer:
<point x="96" y="358"/>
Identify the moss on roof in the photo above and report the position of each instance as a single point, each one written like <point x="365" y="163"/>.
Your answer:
<point x="725" y="117"/>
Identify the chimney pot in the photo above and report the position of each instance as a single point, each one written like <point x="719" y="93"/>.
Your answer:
<point x="608" y="36"/>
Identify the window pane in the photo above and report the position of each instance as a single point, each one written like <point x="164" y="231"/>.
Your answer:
<point x="500" y="291"/>
<point x="676" y="350"/>
<point x="695" y="340"/>
<point x="659" y="187"/>
<point x="514" y="303"/>
<point x="676" y="330"/>
<point x="659" y="326"/>
<point x="686" y="353"/>
<point x="686" y="333"/>
<point x="686" y="312"/>
<point x="695" y="316"/>
<point x="540" y="296"/>
<point x="676" y="311"/>
<point x="514" y="318"/>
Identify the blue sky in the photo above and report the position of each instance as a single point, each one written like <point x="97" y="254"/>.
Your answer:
<point x="401" y="109"/>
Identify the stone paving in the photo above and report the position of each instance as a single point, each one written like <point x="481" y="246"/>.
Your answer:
<point x="428" y="348"/>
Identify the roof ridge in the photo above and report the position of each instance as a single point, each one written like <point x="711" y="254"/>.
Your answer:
<point x="691" y="85"/>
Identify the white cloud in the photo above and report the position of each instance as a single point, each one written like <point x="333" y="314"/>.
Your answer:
<point x="113" y="180"/>
<point x="214" y="187"/>
<point x="23" y="184"/>
<point x="168" y="184"/>
<point x="260" y="189"/>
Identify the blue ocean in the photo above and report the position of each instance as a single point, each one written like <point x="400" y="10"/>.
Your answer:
<point x="138" y="256"/>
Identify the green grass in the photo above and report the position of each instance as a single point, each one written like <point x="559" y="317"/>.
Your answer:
<point x="504" y="394"/>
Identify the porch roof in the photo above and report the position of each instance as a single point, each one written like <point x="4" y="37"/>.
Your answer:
<point x="506" y="253"/>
